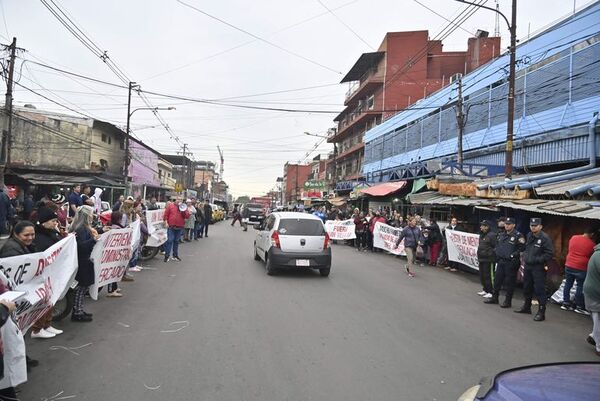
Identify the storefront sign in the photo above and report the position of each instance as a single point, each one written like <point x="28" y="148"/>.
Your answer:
<point x="318" y="185"/>
<point x="385" y="237"/>
<point x="462" y="248"/>
<point x="44" y="277"/>
<point x="340" y="229"/>
<point x="111" y="256"/>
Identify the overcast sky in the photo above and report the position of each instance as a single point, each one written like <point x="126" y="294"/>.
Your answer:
<point x="171" y="48"/>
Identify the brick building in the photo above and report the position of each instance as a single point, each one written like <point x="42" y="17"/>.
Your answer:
<point x="294" y="177"/>
<point x="407" y="67"/>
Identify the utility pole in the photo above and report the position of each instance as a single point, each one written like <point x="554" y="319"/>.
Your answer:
<point x="460" y="121"/>
<point x="511" y="93"/>
<point x="8" y="107"/>
<point x="127" y="153"/>
<point x="512" y="27"/>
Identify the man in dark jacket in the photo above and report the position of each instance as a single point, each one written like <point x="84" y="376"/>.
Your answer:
<point x="410" y="234"/>
<point x="508" y="256"/>
<point x="539" y="250"/>
<point x="207" y="216"/>
<point x="486" y="256"/>
<point x="6" y="211"/>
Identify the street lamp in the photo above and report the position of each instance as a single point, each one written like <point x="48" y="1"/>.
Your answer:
<point x="512" y="27"/>
<point x="130" y="112"/>
<point x="334" y="158"/>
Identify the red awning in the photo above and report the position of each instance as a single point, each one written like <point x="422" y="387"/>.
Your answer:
<point x="384" y="189"/>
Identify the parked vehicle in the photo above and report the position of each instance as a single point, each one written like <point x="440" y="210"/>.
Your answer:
<point x="63" y="307"/>
<point x="567" y="381"/>
<point x="293" y="240"/>
<point x="253" y="213"/>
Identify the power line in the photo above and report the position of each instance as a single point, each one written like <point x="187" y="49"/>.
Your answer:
<point x="441" y="16"/>
<point x="259" y="38"/>
<point x="346" y="25"/>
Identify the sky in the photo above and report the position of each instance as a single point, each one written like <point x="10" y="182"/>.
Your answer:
<point x="268" y="54"/>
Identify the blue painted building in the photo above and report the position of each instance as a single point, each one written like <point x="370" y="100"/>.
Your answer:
<point x="557" y="93"/>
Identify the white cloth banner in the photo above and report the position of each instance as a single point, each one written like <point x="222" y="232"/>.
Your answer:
<point x="340" y="229"/>
<point x="156" y="228"/>
<point x="44" y="276"/>
<point x="462" y="248"/>
<point x="111" y="256"/>
<point x="385" y="237"/>
<point x="137" y="235"/>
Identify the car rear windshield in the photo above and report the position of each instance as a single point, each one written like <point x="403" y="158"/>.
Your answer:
<point x="301" y="227"/>
<point x="254" y="206"/>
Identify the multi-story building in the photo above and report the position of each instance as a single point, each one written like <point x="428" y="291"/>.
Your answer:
<point x="204" y="175"/>
<point x="183" y="171"/>
<point x="294" y="177"/>
<point x="50" y="151"/>
<point x="165" y="175"/>
<point x="557" y="93"/>
<point x="407" y="67"/>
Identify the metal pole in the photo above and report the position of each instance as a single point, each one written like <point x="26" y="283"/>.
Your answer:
<point x="8" y="105"/>
<point x="511" y="93"/>
<point x="334" y="167"/>
<point x="127" y="158"/>
<point x="460" y="119"/>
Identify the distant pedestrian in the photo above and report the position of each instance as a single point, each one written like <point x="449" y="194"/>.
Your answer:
<point x="118" y="203"/>
<point x="5" y="213"/>
<point x="28" y="206"/>
<point x="486" y="256"/>
<point x="435" y="242"/>
<point x="75" y="200"/>
<point x="539" y="250"/>
<point x="581" y="248"/>
<point x="190" y="222"/>
<point x="410" y="234"/>
<point x="207" y="216"/>
<point x="236" y="215"/>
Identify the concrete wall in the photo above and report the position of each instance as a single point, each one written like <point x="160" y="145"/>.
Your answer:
<point x="43" y="142"/>
<point x="108" y="148"/>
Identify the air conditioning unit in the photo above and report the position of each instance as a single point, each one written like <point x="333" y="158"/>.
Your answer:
<point x="455" y="77"/>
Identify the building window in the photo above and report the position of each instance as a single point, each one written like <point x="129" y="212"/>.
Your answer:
<point x="104" y="138"/>
<point x="371" y="102"/>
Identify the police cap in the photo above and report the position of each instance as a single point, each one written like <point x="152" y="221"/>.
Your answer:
<point x="510" y="220"/>
<point x="535" y="221"/>
<point x="485" y="223"/>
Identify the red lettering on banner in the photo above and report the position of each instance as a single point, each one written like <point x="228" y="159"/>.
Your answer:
<point x="45" y="292"/>
<point x="108" y="273"/>
<point x="45" y="262"/>
<point x="115" y="255"/>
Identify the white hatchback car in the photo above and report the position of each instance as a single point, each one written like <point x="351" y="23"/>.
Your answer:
<point x="293" y="240"/>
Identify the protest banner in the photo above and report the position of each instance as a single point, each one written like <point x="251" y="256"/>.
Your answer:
<point x="385" y="237"/>
<point x="156" y="228"/>
<point x="462" y="248"/>
<point x="340" y="229"/>
<point x="45" y="278"/>
<point x="111" y="256"/>
<point x="137" y="235"/>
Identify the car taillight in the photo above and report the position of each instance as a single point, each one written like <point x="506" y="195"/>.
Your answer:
<point x="326" y="244"/>
<point x="275" y="240"/>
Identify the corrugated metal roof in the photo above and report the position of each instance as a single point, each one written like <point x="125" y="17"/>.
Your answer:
<point x="579" y="209"/>
<point x="559" y="188"/>
<point x="434" y="198"/>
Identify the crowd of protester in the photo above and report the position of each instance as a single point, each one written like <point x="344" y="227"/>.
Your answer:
<point x="36" y="226"/>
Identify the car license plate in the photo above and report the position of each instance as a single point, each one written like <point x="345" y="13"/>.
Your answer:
<point x="302" y="262"/>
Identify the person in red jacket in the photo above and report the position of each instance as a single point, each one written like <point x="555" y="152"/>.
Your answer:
<point x="581" y="248"/>
<point x="174" y="219"/>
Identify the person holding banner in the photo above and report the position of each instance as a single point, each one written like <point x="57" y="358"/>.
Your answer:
<point x="46" y="235"/>
<point x="7" y="392"/>
<point x="410" y="234"/>
<point x="86" y="237"/>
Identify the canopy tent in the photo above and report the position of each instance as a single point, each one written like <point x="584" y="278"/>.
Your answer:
<point x="384" y="189"/>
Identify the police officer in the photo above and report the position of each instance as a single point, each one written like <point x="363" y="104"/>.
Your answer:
<point x="486" y="257"/>
<point x="508" y="249"/>
<point x="538" y="252"/>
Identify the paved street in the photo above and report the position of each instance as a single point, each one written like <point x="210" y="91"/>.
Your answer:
<point x="365" y="333"/>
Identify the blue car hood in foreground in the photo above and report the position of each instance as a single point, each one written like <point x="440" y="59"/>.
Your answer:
<point x="556" y="382"/>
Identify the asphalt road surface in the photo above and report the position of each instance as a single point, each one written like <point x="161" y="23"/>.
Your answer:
<point x="216" y="327"/>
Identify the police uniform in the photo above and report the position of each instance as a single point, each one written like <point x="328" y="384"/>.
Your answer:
<point x="539" y="250"/>
<point x="508" y="249"/>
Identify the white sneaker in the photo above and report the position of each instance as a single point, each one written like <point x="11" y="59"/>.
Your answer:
<point x="135" y="269"/>
<point x="42" y="334"/>
<point x="487" y="295"/>
<point x="481" y="293"/>
<point x="54" y="330"/>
